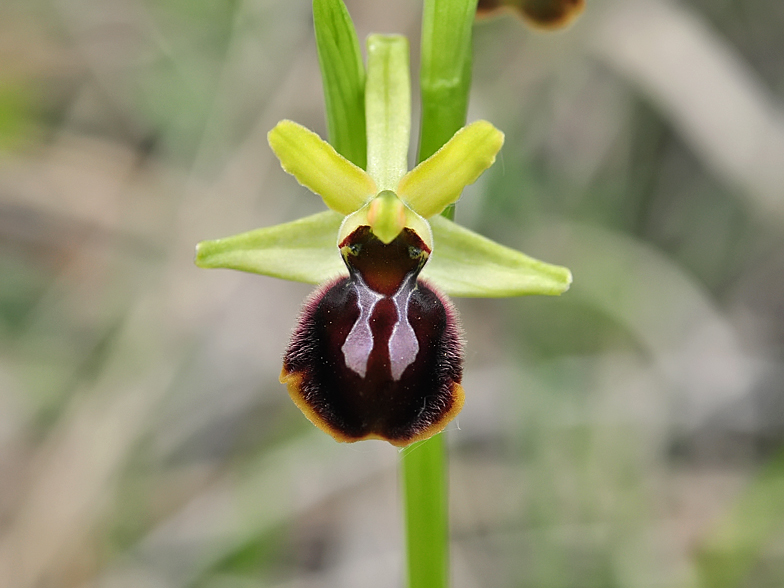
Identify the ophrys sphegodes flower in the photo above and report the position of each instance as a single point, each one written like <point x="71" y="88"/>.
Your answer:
<point x="377" y="352"/>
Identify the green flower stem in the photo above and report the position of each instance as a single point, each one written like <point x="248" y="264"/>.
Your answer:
<point x="423" y="469"/>
<point x="445" y="71"/>
<point x="445" y="80"/>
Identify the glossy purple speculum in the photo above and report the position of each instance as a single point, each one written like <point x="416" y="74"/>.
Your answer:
<point x="377" y="354"/>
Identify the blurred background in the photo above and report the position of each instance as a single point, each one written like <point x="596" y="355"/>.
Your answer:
<point x="628" y="434"/>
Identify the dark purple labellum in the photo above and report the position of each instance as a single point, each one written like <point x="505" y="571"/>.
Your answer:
<point x="377" y="355"/>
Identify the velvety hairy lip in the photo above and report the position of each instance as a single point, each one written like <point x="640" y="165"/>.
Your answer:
<point x="377" y="354"/>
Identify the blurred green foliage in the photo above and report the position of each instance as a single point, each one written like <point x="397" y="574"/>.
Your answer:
<point x="628" y="434"/>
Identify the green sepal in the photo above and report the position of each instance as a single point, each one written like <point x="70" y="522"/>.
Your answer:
<point x="438" y="181"/>
<point x="303" y="250"/>
<point x="467" y="264"/>
<point x="388" y="109"/>
<point x="343" y="75"/>
<point x="315" y="164"/>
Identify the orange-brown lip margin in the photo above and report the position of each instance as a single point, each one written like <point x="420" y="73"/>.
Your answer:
<point x="293" y="382"/>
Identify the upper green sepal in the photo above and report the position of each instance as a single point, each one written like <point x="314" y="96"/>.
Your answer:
<point x="303" y="250"/>
<point x="466" y="264"/>
<point x="388" y="109"/>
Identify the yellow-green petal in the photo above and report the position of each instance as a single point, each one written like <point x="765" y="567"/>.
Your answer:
<point x="315" y="164"/>
<point x="467" y="264"/>
<point x="303" y="250"/>
<point x="438" y="181"/>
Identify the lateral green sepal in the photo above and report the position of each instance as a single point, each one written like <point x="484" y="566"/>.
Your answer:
<point x="303" y="250"/>
<point x="466" y="264"/>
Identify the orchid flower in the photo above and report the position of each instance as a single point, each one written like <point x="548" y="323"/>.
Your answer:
<point x="377" y="352"/>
